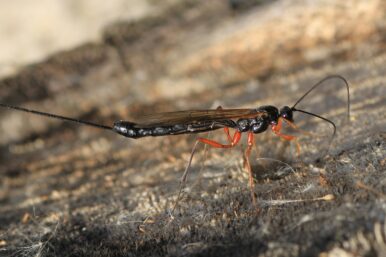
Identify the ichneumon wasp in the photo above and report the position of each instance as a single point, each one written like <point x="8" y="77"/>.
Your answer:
<point x="252" y="121"/>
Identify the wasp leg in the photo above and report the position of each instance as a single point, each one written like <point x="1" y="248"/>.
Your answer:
<point x="230" y="139"/>
<point x="295" y="127"/>
<point x="232" y="142"/>
<point x="248" y="167"/>
<point x="226" y="129"/>
<point x="276" y="129"/>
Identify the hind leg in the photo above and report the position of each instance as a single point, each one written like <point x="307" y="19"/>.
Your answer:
<point x="248" y="167"/>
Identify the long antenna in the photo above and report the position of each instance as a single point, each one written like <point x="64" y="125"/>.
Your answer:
<point x="318" y="116"/>
<point x="50" y="115"/>
<point x="321" y="117"/>
<point x="321" y="82"/>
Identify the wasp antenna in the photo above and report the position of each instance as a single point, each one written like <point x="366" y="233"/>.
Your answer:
<point x="318" y="116"/>
<point x="320" y="83"/>
<point x="322" y="118"/>
<point x="54" y="116"/>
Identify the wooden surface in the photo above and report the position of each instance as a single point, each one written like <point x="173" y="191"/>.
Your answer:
<point x="69" y="190"/>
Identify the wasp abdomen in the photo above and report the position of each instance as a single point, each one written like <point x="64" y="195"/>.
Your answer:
<point x="132" y="130"/>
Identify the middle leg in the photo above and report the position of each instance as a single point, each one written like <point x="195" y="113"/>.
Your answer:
<point x="248" y="167"/>
<point x="232" y="142"/>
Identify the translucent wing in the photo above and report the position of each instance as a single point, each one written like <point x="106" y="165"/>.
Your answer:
<point x="195" y="116"/>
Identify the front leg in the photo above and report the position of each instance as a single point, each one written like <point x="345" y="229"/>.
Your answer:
<point x="277" y="128"/>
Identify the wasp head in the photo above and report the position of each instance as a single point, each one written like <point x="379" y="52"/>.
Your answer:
<point x="286" y="113"/>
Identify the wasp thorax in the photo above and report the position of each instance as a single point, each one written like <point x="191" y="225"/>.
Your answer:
<point x="256" y="125"/>
<point x="243" y="125"/>
<point x="259" y="125"/>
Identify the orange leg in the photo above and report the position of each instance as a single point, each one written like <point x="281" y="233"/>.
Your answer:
<point x="293" y="125"/>
<point x="276" y="129"/>
<point x="248" y="166"/>
<point x="226" y="129"/>
<point x="232" y="142"/>
<point x="228" y="135"/>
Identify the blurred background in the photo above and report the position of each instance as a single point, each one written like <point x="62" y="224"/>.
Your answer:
<point x="77" y="190"/>
<point x="31" y="31"/>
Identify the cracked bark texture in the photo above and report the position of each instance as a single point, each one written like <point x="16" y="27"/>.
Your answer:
<point x="69" y="190"/>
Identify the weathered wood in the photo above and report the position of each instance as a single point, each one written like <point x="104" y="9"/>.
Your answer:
<point x="68" y="190"/>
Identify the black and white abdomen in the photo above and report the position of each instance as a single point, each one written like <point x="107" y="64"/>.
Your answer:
<point x="130" y="129"/>
<point x="134" y="130"/>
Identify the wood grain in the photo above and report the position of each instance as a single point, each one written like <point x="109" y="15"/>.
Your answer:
<point x="67" y="190"/>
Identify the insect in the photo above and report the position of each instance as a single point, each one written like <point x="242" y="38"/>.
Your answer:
<point x="251" y="121"/>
